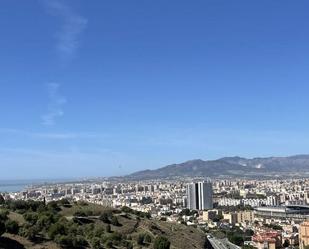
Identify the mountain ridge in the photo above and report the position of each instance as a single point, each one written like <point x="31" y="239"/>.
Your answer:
<point x="229" y="166"/>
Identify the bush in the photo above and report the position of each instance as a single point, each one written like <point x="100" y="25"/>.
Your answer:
<point x="11" y="226"/>
<point x="108" y="228"/>
<point x="236" y="239"/>
<point x="56" y="229"/>
<point x="95" y="243"/>
<point x="109" y="244"/>
<point x="2" y="201"/>
<point x="53" y="206"/>
<point x="4" y="215"/>
<point x="80" y="213"/>
<point x="128" y="245"/>
<point x="31" y="217"/>
<point x="64" y="202"/>
<point x="29" y="232"/>
<point x="115" y="221"/>
<point x="71" y="241"/>
<point x="126" y="209"/>
<point x="140" y="239"/>
<point x="147" y="238"/>
<point x="2" y="228"/>
<point x="105" y="218"/>
<point x="161" y="242"/>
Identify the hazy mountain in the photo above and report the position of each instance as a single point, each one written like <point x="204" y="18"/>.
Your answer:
<point x="230" y="166"/>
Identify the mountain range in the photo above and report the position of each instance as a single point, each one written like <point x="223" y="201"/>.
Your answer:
<point x="297" y="165"/>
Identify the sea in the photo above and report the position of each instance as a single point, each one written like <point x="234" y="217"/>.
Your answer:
<point x="20" y="185"/>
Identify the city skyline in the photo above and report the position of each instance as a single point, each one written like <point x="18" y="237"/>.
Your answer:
<point x="112" y="88"/>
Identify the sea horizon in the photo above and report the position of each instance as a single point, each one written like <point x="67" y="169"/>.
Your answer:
<point x="17" y="185"/>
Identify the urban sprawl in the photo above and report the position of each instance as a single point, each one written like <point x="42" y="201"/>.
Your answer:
<point x="275" y="211"/>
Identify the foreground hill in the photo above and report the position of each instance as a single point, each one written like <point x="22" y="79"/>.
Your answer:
<point x="82" y="225"/>
<point x="230" y="166"/>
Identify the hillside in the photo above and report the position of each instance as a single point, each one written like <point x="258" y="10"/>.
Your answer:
<point x="230" y="166"/>
<point x="83" y="225"/>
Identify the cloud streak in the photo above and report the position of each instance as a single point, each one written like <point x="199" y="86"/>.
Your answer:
<point x="55" y="106"/>
<point x="54" y="136"/>
<point x="68" y="37"/>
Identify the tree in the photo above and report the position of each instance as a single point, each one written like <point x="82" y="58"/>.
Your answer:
<point x="129" y="245"/>
<point x="71" y="241"/>
<point x="2" y="201"/>
<point x="11" y="226"/>
<point x="4" y="215"/>
<point x="53" y="206"/>
<point x="185" y="212"/>
<point x="104" y="218"/>
<point x="95" y="243"/>
<point x="80" y="213"/>
<point x="236" y="239"/>
<point x="161" y="242"/>
<point x="108" y="228"/>
<point x="115" y="221"/>
<point x="31" y="217"/>
<point x="147" y="238"/>
<point x="2" y="228"/>
<point x="109" y="244"/>
<point x="64" y="202"/>
<point x="286" y="243"/>
<point x="30" y="232"/>
<point x="56" y="229"/>
<point x="140" y="239"/>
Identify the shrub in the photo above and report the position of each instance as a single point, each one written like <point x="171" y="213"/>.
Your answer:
<point x="31" y="217"/>
<point x="147" y="238"/>
<point x="29" y="232"/>
<point x="140" y="239"/>
<point x="108" y="228"/>
<point x="161" y="242"/>
<point x="2" y="228"/>
<point x="95" y="243"/>
<point x="115" y="221"/>
<point x="11" y="226"/>
<point x="2" y="201"/>
<point x="104" y="217"/>
<point x="4" y="215"/>
<point x="56" y="229"/>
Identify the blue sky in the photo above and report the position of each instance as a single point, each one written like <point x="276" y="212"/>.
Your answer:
<point x="112" y="87"/>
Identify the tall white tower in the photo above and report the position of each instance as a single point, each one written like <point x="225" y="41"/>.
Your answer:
<point x="199" y="195"/>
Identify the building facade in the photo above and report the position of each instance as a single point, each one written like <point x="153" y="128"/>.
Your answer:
<point x="199" y="195"/>
<point x="304" y="235"/>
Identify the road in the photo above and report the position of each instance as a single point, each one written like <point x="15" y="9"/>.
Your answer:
<point x="222" y="244"/>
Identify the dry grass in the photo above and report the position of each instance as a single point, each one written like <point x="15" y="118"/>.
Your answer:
<point x="95" y="209"/>
<point x="17" y="217"/>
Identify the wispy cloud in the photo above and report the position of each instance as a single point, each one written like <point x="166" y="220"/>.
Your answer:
<point x="68" y="37"/>
<point x="54" y="135"/>
<point x="55" y="106"/>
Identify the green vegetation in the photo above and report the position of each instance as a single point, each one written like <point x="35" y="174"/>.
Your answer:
<point x="234" y="235"/>
<point x="2" y="228"/>
<point x="47" y="222"/>
<point x="188" y="212"/>
<point x="81" y="225"/>
<point x="161" y="243"/>
<point x="235" y="208"/>
<point x="248" y="247"/>
<point x="2" y="201"/>
<point x="137" y="213"/>
<point x="273" y="226"/>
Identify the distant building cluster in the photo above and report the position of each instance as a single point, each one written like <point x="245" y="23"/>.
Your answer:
<point x="276" y="211"/>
